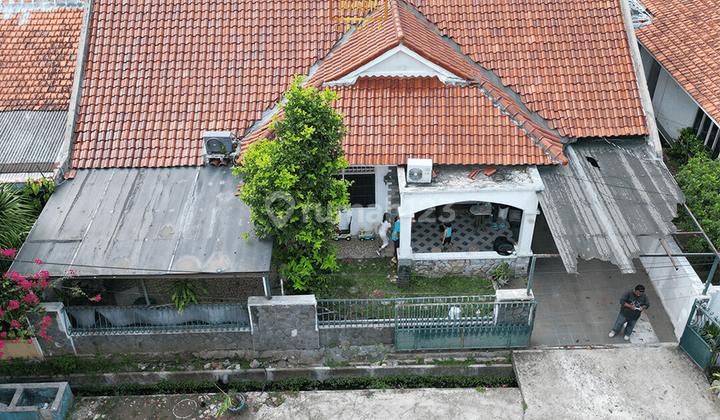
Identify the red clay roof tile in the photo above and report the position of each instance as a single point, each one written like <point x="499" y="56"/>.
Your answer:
<point x="552" y="47"/>
<point x="38" y="51"/>
<point x="394" y="126"/>
<point x="153" y="53"/>
<point x="692" y="60"/>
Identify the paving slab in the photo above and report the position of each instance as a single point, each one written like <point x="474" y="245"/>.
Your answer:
<point x="627" y="382"/>
<point x="415" y="404"/>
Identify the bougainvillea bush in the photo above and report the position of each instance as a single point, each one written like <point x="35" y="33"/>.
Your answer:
<point x="19" y="296"/>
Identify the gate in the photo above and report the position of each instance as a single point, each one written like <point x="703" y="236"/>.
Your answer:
<point x="701" y="338"/>
<point x="462" y="323"/>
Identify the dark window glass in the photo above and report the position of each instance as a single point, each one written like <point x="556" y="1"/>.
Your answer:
<point x="362" y="189"/>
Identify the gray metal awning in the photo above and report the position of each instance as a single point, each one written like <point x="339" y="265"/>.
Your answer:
<point x="605" y="198"/>
<point x="146" y="221"/>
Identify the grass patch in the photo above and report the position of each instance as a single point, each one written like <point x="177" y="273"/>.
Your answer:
<point x="371" y="278"/>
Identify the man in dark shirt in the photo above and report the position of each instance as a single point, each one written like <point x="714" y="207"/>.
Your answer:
<point x="632" y="303"/>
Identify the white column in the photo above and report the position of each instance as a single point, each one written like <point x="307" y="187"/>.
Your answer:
<point x="405" y="250"/>
<point x="527" y="228"/>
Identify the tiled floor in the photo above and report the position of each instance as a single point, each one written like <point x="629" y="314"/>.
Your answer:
<point x="580" y="309"/>
<point x="427" y="235"/>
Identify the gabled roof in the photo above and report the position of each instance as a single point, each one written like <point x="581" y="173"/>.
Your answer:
<point x="391" y="119"/>
<point x="402" y="28"/>
<point x="38" y="50"/>
<point x="683" y="36"/>
<point x="569" y="60"/>
<point x="160" y="73"/>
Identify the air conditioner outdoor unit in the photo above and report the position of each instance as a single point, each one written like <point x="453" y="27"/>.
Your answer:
<point x="419" y="170"/>
<point x="217" y="143"/>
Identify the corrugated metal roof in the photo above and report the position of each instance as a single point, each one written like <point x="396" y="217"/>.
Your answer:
<point x="30" y="141"/>
<point x="129" y="222"/>
<point x="606" y="197"/>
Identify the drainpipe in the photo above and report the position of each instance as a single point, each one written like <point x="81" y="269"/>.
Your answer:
<point x="266" y="286"/>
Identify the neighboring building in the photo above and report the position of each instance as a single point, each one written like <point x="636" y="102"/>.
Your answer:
<point x="39" y="43"/>
<point x="681" y="57"/>
<point x="522" y="88"/>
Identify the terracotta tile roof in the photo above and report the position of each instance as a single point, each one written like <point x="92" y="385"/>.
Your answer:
<point x="569" y="60"/>
<point x="38" y="51"/>
<point x="392" y="119"/>
<point x="403" y="28"/>
<point x="159" y="74"/>
<point x="683" y="36"/>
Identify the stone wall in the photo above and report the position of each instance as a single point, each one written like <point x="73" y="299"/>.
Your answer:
<point x="356" y="336"/>
<point x="468" y="267"/>
<point x="284" y="323"/>
<point x="179" y="342"/>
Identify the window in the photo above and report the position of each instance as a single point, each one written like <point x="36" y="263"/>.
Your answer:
<point x="707" y="132"/>
<point x="362" y="188"/>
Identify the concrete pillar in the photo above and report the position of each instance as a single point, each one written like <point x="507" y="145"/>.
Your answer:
<point x="527" y="228"/>
<point x="513" y="314"/>
<point x="405" y="251"/>
<point x="284" y="323"/>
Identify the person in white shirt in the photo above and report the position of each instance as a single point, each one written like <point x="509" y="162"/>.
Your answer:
<point x="383" y="232"/>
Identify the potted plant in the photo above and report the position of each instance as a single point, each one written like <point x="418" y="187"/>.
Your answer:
<point x="501" y="274"/>
<point x="231" y="400"/>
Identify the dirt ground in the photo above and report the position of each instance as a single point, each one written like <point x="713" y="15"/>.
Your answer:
<point x="168" y="407"/>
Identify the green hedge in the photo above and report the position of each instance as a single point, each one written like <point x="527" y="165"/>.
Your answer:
<point x="399" y="381"/>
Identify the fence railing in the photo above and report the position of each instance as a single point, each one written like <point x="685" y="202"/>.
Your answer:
<point x="153" y="319"/>
<point x="386" y="312"/>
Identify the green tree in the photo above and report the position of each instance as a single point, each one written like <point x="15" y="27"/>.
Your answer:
<point x="16" y="217"/>
<point x="685" y="147"/>
<point x="291" y="185"/>
<point x="699" y="180"/>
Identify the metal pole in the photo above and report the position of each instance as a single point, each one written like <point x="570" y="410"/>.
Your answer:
<point x="147" y="299"/>
<point x="672" y="260"/>
<point x="530" y="276"/>
<point x="710" y="276"/>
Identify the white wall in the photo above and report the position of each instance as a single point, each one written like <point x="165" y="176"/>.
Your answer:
<point x="677" y="289"/>
<point x="674" y="108"/>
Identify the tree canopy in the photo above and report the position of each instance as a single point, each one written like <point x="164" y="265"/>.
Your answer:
<point x="291" y="184"/>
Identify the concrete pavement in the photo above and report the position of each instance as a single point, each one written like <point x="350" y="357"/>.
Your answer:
<point x="628" y="382"/>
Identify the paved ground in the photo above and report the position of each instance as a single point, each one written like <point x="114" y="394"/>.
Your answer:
<point x="631" y="382"/>
<point x="627" y="382"/>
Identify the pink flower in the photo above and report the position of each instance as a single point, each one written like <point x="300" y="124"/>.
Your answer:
<point x="13" y="305"/>
<point x="47" y="319"/>
<point x="27" y="285"/>
<point x="97" y="298"/>
<point x="2" y="312"/>
<point x="38" y="262"/>
<point x="15" y="324"/>
<point x="3" y="334"/>
<point x="43" y="334"/>
<point x="2" y="353"/>
<point x="2" y="344"/>
<point x="31" y="298"/>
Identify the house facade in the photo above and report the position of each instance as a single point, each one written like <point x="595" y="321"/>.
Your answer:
<point x="682" y="70"/>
